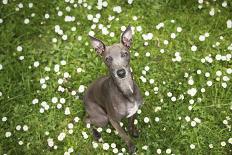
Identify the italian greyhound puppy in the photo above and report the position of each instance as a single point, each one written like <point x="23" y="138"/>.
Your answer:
<point x="113" y="97"/>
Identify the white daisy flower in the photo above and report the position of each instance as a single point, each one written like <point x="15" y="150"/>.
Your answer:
<point x="159" y="151"/>
<point x="229" y="24"/>
<point x="4" y="2"/>
<point x="61" y="136"/>
<point x="173" y="35"/>
<point x="20" y="142"/>
<point x="59" y="106"/>
<point x="209" y="83"/>
<point x="147" y="93"/>
<point x="70" y="125"/>
<point x="145" y="147"/>
<point x="50" y="142"/>
<point x="192" y="91"/>
<point x="223" y="143"/>
<point x="115" y="150"/>
<point x="67" y="111"/>
<point x="76" y="119"/>
<point x="194" y="48"/>
<point x="210" y="146"/>
<point x="117" y="9"/>
<point x="26" y="21"/>
<point x="168" y="151"/>
<point x="4" y="119"/>
<point x="25" y="128"/>
<point x="36" y="64"/>
<point x="192" y="146"/>
<point x="81" y="89"/>
<point x="105" y="146"/>
<point x="7" y="134"/>
<point x="94" y="144"/>
<point x="193" y="123"/>
<point x="179" y="29"/>
<point x="146" y="120"/>
<point x="202" y="38"/>
<point x="212" y="12"/>
<point x="62" y="100"/>
<point x="148" y="54"/>
<point x="54" y="100"/>
<point x="230" y="140"/>
<point x="46" y="16"/>
<point x="105" y="4"/>
<point x="18" y="127"/>
<point x="157" y="119"/>
<point x="19" y="48"/>
<point x="187" y="118"/>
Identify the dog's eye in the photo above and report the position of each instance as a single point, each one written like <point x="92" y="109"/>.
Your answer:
<point x="124" y="54"/>
<point x="109" y="59"/>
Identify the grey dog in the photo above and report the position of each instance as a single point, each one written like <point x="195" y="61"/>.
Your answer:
<point x="113" y="97"/>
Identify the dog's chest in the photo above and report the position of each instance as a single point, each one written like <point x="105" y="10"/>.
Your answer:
<point x="124" y="108"/>
<point x="132" y="109"/>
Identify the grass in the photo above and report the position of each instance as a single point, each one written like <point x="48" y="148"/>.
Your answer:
<point x="20" y="79"/>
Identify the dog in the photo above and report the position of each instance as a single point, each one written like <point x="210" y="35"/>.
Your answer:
<point x="115" y="96"/>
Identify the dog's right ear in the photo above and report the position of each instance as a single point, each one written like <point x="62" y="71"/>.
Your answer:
<point x="98" y="45"/>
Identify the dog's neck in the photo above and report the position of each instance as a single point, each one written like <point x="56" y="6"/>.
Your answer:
<point x="124" y="86"/>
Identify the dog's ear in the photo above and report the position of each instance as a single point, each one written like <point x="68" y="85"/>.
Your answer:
<point x="126" y="38"/>
<point x="98" y="45"/>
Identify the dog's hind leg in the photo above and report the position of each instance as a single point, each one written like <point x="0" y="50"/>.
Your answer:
<point x="96" y="117"/>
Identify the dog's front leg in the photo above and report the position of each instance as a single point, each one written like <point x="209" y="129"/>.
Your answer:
<point x="131" y="126"/>
<point x="123" y="135"/>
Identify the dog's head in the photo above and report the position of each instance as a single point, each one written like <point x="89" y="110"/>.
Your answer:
<point x="117" y="58"/>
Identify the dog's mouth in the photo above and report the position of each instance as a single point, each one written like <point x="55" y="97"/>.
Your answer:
<point x="130" y="88"/>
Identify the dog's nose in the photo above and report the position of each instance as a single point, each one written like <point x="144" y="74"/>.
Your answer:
<point x="121" y="73"/>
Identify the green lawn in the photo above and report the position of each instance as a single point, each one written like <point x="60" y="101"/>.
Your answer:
<point x="181" y="60"/>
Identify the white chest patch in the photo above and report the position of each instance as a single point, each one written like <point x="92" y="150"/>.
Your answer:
<point x="132" y="110"/>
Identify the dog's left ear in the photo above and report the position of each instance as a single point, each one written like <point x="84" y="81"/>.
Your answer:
<point x="126" y="38"/>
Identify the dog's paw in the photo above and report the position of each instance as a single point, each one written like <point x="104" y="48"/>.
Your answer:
<point x="96" y="135"/>
<point x="131" y="148"/>
<point x="134" y="133"/>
